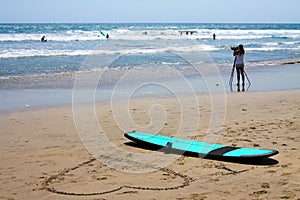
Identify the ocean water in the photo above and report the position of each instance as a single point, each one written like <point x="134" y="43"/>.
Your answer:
<point x="154" y="50"/>
<point x="22" y="53"/>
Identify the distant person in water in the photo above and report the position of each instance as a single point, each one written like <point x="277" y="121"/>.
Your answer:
<point x="239" y="64"/>
<point x="43" y="39"/>
<point x="214" y="36"/>
<point x="107" y="36"/>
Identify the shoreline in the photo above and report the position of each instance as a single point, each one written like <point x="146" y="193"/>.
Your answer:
<point x="268" y="78"/>
<point x="42" y="152"/>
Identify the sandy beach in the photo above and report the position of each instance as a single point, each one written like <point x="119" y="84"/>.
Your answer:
<point x="42" y="156"/>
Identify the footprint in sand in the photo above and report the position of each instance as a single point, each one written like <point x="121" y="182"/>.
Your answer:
<point x="258" y="193"/>
<point x="265" y="185"/>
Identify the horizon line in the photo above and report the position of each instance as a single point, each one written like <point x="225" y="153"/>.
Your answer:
<point x="93" y="22"/>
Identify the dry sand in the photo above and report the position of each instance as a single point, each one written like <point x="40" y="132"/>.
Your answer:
<point x="42" y="156"/>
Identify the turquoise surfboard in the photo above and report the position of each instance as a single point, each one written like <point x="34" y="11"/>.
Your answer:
<point x="102" y="33"/>
<point x="207" y="150"/>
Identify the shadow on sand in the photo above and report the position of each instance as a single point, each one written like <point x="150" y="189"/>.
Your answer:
<point x="246" y="161"/>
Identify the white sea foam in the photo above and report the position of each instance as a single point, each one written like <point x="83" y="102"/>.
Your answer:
<point x="126" y="34"/>
<point x="20" y="53"/>
<point x="270" y="48"/>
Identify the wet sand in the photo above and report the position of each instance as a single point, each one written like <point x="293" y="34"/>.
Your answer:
<point x="42" y="156"/>
<point x="19" y="92"/>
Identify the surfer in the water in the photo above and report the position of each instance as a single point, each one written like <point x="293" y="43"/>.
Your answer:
<point x="43" y="39"/>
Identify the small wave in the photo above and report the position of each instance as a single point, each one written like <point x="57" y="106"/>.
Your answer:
<point x="76" y="35"/>
<point x="291" y="62"/>
<point x="80" y="32"/>
<point x="22" y="53"/>
<point x="273" y="49"/>
<point x="170" y="34"/>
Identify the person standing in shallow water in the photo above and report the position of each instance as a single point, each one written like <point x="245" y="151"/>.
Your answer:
<point x="239" y="64"/>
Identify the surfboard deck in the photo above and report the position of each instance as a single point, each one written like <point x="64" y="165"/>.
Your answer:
<point x="207" y="150"/>
<point x="102" y="33"/>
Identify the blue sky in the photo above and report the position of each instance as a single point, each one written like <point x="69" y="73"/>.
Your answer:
<point x="212" y="11"/>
